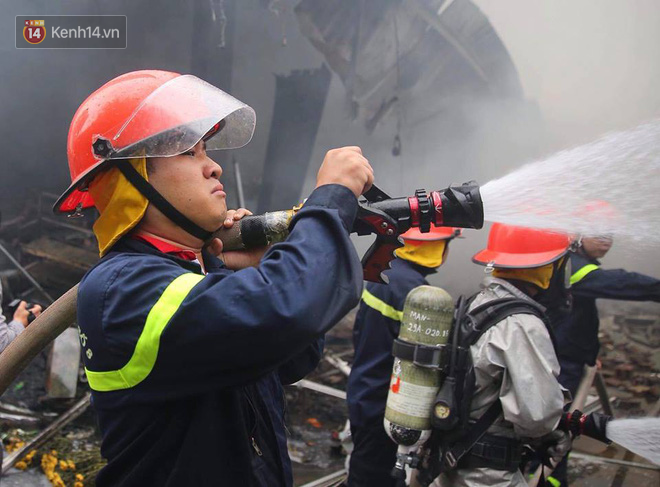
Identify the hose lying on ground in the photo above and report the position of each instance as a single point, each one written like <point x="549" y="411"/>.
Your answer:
<point x="48" y="326"/>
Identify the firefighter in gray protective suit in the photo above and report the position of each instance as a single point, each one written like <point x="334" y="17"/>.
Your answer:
<point x="514" y="360"/>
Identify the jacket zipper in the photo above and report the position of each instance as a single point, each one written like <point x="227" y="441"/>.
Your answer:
<point x="285" y="417"/>
<point x="256" y="447"/>
<point x="254" y="427"/>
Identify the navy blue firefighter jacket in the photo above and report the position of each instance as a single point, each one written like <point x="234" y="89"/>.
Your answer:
<point x="577" y="332"/>
<point x="186" y="369"/>
<point x="376" y="326"/>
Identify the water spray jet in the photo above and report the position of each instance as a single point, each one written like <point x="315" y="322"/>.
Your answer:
<point x="638" y="435"/>
<point x="605" y="187"/>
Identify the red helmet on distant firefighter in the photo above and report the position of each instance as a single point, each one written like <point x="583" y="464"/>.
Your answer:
<point x="427" y="249"/>
<point x="603" y="218"/>
<point x="414" y="234"/>
<point x="148" y="113"/>
<point x="516" y="247"/>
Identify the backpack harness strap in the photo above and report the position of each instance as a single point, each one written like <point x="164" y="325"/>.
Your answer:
<point x="451" y="456"/>
<point x="426" y="356"/>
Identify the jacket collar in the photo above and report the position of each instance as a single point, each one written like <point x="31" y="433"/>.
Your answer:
<point x="425" y="271"/>
<point x="582" y="255"/>
<point x="493" y="282"/>
<point x="128" y="244"/>
<point x="167" y="246"/>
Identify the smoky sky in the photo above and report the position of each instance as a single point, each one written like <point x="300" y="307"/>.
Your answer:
<point x="592" y="67"/>
<point x="586" y="67"/>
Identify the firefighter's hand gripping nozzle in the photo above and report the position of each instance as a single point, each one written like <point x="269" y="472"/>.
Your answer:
<point x="416" y="375"/>
<point x="455" y="206"/>
<point x="257" y="230"/>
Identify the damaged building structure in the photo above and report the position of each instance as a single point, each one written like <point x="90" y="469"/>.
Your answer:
<point x="426" y="87"/>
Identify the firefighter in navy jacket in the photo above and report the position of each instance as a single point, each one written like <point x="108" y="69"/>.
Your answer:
<point x="376" y="326"/>
<point x="577" y="331"/>
<point x="185" y="357"/>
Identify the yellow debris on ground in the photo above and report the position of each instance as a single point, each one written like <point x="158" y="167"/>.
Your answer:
<point x="14" y="444"/>
<point x="48" y="464"/>
<point x="26" y="461"/>
<point x="67" y="465"/>
<point x="63" y="465"/>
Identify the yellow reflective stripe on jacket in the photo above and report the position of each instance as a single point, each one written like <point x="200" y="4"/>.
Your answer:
<point x="554" y="482"/>
<point x="381" y="306"/>
<point x="581" y="274"/>
<point x="146" y="350"/>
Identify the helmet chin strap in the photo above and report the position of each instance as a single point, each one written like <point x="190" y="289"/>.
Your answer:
<point x="557" y="297"/>
<point x="165" y="207"/>
<point x="576" y="244"/>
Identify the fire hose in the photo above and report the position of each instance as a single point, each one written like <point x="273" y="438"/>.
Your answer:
<point x="458" y="206"/>
<point x="48" y="326"/>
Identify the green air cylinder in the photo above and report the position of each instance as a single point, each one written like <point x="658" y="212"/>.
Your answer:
<point x="427" y="320"/>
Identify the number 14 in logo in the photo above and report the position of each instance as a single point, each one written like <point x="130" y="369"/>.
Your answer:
<point x="34" y="31"/>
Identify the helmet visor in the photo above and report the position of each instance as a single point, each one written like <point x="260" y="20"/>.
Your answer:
<point x="174" y="118"/>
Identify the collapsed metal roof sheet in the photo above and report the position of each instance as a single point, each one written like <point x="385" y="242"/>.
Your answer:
<point x="438" y="51"/>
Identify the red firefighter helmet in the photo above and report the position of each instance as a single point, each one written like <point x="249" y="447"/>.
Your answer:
<point x="514" y="247"/>
<point x="436" y="233"/>
<point x="148" y="113"/>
